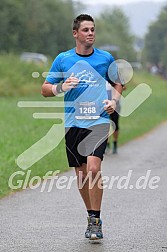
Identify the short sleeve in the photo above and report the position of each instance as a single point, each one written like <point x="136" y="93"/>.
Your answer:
<point x="113" y="75"/>
<point x="55" y="74"/>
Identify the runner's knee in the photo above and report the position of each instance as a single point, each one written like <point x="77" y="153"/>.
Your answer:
<point x="94" y="170"/>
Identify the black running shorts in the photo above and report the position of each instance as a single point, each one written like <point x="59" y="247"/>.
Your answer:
<point x="82" y="142"/>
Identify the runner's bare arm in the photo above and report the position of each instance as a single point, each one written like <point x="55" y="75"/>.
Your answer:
<point x="49" y="89"/>
<point x="46" y="89"/>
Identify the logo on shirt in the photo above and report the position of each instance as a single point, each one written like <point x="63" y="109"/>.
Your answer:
<point x="86" y="78"/>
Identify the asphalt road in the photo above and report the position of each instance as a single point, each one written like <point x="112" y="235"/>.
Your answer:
<point x="134" y="207"/>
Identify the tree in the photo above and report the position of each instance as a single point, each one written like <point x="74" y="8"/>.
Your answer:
<point x="113" y="28"/>
<point x="36" y="25"/>
<point x="47" y="26"/>
<point x="10" y="20"/>
<point x="155" y="49"/>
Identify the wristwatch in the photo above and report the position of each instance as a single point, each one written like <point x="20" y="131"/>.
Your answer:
<point x="59" y="88"/>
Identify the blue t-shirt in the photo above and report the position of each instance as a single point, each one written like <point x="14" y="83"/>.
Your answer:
<point x="84" y="104"/>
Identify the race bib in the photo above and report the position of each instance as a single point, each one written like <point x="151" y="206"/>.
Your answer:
<point x="87" y="110"/>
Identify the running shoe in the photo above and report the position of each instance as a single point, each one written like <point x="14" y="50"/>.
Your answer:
<point x="95" y="228"/>
<point x="88" y="229"/>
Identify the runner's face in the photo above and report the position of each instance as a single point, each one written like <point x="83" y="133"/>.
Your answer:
<point x="86" y="33"/>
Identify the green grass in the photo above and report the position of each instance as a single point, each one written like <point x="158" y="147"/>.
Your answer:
<point x="19" y="130"/>
<point x="16" y="76"/>
<point x="149" y="114"/>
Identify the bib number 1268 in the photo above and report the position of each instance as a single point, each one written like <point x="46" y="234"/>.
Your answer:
<point x="87" y="110"/>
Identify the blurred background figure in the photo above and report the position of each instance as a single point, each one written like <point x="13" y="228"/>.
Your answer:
<point x="113" y="139"/>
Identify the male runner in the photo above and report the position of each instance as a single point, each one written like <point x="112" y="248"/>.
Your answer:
<point x="81" y="74"/>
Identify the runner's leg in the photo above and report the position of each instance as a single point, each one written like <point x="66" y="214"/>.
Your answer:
<point x="81" y="173"/>
<point x="95" y="191"/>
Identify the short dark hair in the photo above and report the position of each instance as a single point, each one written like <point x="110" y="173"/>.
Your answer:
<point x="77" y="21"/>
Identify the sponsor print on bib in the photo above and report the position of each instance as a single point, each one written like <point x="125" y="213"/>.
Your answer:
<point x="87" y="110"/>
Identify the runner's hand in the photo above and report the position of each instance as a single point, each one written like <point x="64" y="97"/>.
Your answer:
<point x="110" y="106"/>
<point x="70" y="83"/>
